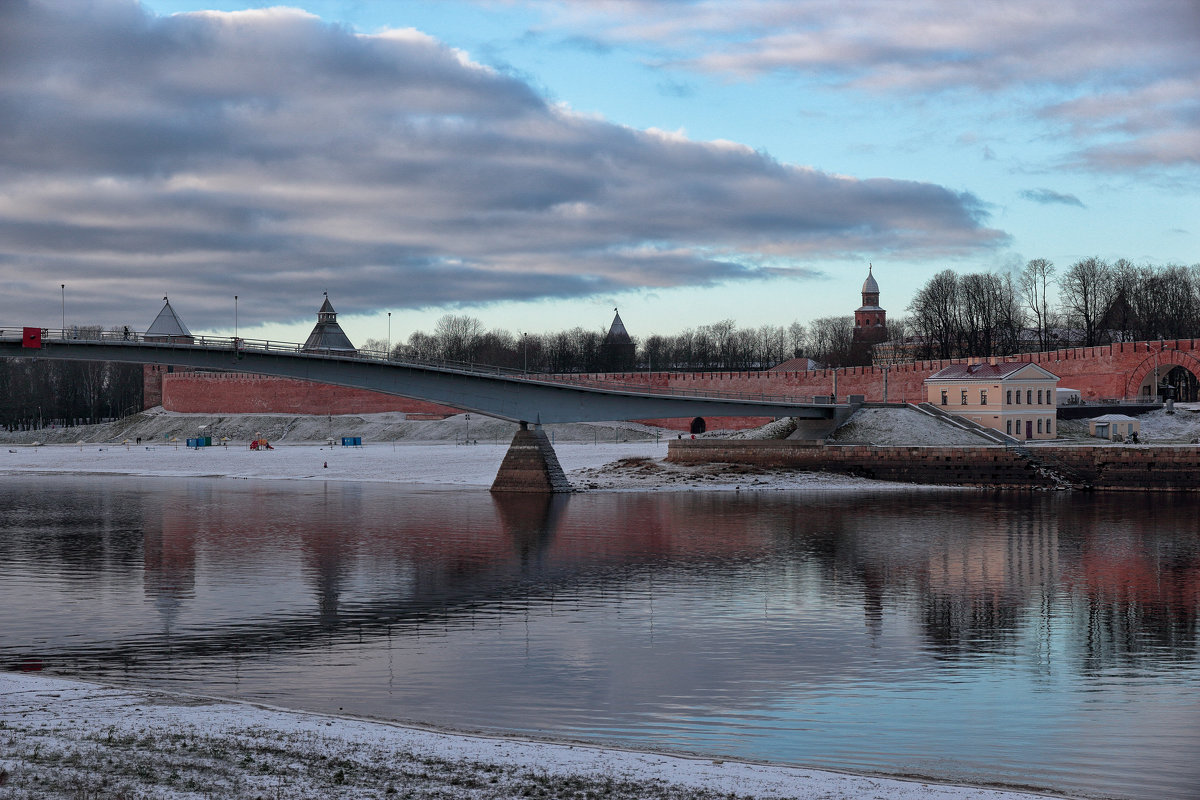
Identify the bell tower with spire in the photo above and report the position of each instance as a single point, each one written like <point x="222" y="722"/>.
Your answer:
<point x="870" y="322"/>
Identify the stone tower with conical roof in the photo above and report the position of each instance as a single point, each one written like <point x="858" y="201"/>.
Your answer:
<point x="618" y="350"/>
<point x="327" y="335"/>
<point x="168" y="327"/>
<point x="870" y="322"/>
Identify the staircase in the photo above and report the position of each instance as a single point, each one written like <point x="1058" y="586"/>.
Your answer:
<point x="992" y="436"/>
<point x="1046" y="465"/>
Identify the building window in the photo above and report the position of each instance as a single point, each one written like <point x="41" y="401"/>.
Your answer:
<point x="1039" y="397"/>
<point x="1029" y="396"/>
<point x="964" y="397"/>
<point x="1018" y="397"/>
<point x="1039" y="429"/>
<point x="1008" y="426"/>
<point x="944" y="400"/>
<point x="1008" y="397"/>
<point x="983" y="397"/>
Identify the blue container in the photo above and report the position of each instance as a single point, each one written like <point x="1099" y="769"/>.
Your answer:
<point x="351" y="441"/>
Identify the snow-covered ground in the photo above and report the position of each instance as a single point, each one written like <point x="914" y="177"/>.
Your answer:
<point x="634" y="465"/>
<point x="66" y="739"/>
<point x="157" y="425"/>
<point x="903" y="426"/>
<point x="1158" y="427"/>
<point x="595" y="456"/>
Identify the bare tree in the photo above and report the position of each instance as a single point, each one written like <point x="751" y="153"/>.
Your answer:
<point x="457" y="336"/>
<point x="423" y="346"/>
<point x="1087" y="291"/>
<point x="936" y="315"/>
<point x="831" y="339"/>
<point x="1035" y="282"/>
<point x="374" y="346"/>
<point x="798" y="339"/>
<point x="1120" y="320"/>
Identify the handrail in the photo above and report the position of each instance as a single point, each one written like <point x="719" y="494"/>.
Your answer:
<point x="243" y="345"/>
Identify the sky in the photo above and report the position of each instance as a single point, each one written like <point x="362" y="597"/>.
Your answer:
<point x="538" y="163"/>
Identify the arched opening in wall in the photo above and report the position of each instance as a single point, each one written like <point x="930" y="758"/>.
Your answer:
<point x="1187" y="386"/>
<point x="699" y="425"/>
<point x="1180" y="382"/>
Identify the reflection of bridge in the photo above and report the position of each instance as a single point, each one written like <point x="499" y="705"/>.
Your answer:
<point x="504" y="394"/>
<point x="972" y="579"/>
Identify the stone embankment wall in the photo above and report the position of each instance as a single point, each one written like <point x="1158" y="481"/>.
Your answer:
<point x="1160" y="467"/>
<point x="1104" y="467"/>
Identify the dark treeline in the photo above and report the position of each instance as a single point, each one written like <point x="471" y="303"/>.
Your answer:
<point x="720" y="346"/>
<point x="1091" y="303"/>
<point x="953" y="316"/>
<point x="39" y="393"/>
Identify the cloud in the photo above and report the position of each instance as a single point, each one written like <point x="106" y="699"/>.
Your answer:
<point x="271" y="155"/>
<point x="1049" y="196"/>
<point x="1126" y="67"/>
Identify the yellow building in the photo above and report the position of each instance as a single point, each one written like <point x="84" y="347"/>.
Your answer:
<point x="1015" y="398"/>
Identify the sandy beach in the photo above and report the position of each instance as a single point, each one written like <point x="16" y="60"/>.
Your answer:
<point x="69" y="739"/>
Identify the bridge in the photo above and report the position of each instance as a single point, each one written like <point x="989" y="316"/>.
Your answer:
<point x="506" y="394"/>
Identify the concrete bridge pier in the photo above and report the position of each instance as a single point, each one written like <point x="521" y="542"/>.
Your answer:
<point x="530" y="465"/>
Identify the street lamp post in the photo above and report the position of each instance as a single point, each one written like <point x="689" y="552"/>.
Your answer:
<point x="389" y="343"/>
<point x="64" y="309"/>
<point x="525" y="343"/>
<point x="235" y="322"/>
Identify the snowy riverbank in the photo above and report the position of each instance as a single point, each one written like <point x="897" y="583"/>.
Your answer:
<point x="70" y="739"/>
<point x="629" y="465"/>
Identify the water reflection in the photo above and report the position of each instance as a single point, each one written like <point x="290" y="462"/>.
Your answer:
<point x="858" y="631"/>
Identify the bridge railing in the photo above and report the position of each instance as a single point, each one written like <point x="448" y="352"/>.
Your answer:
<point x="244" y="345"/>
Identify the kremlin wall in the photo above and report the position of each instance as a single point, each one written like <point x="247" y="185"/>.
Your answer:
<point x="1107" y="372"/>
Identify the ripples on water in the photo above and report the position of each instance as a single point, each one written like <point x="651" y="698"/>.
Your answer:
<point x="1028" y="638"/>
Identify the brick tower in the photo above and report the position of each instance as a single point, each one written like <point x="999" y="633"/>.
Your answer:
<point x="870" y="322"/>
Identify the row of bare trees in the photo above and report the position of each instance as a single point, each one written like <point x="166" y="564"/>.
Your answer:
<point x="719" y="346"/>
<point x="1092" y="302"/>
<point x="42" y="393"/>
<point x="954" y="315"/>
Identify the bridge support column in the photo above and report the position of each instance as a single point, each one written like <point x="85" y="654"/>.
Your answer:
<point x="530" y="465"/>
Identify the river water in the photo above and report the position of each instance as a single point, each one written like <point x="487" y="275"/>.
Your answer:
<point x="1045" y="640"/>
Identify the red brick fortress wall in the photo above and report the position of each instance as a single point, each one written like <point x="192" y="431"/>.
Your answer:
<point x="1104" y="372"/>
<point x="235" y="393"/>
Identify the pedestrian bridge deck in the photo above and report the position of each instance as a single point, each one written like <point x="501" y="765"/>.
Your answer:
<point x="506" y="394"/>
